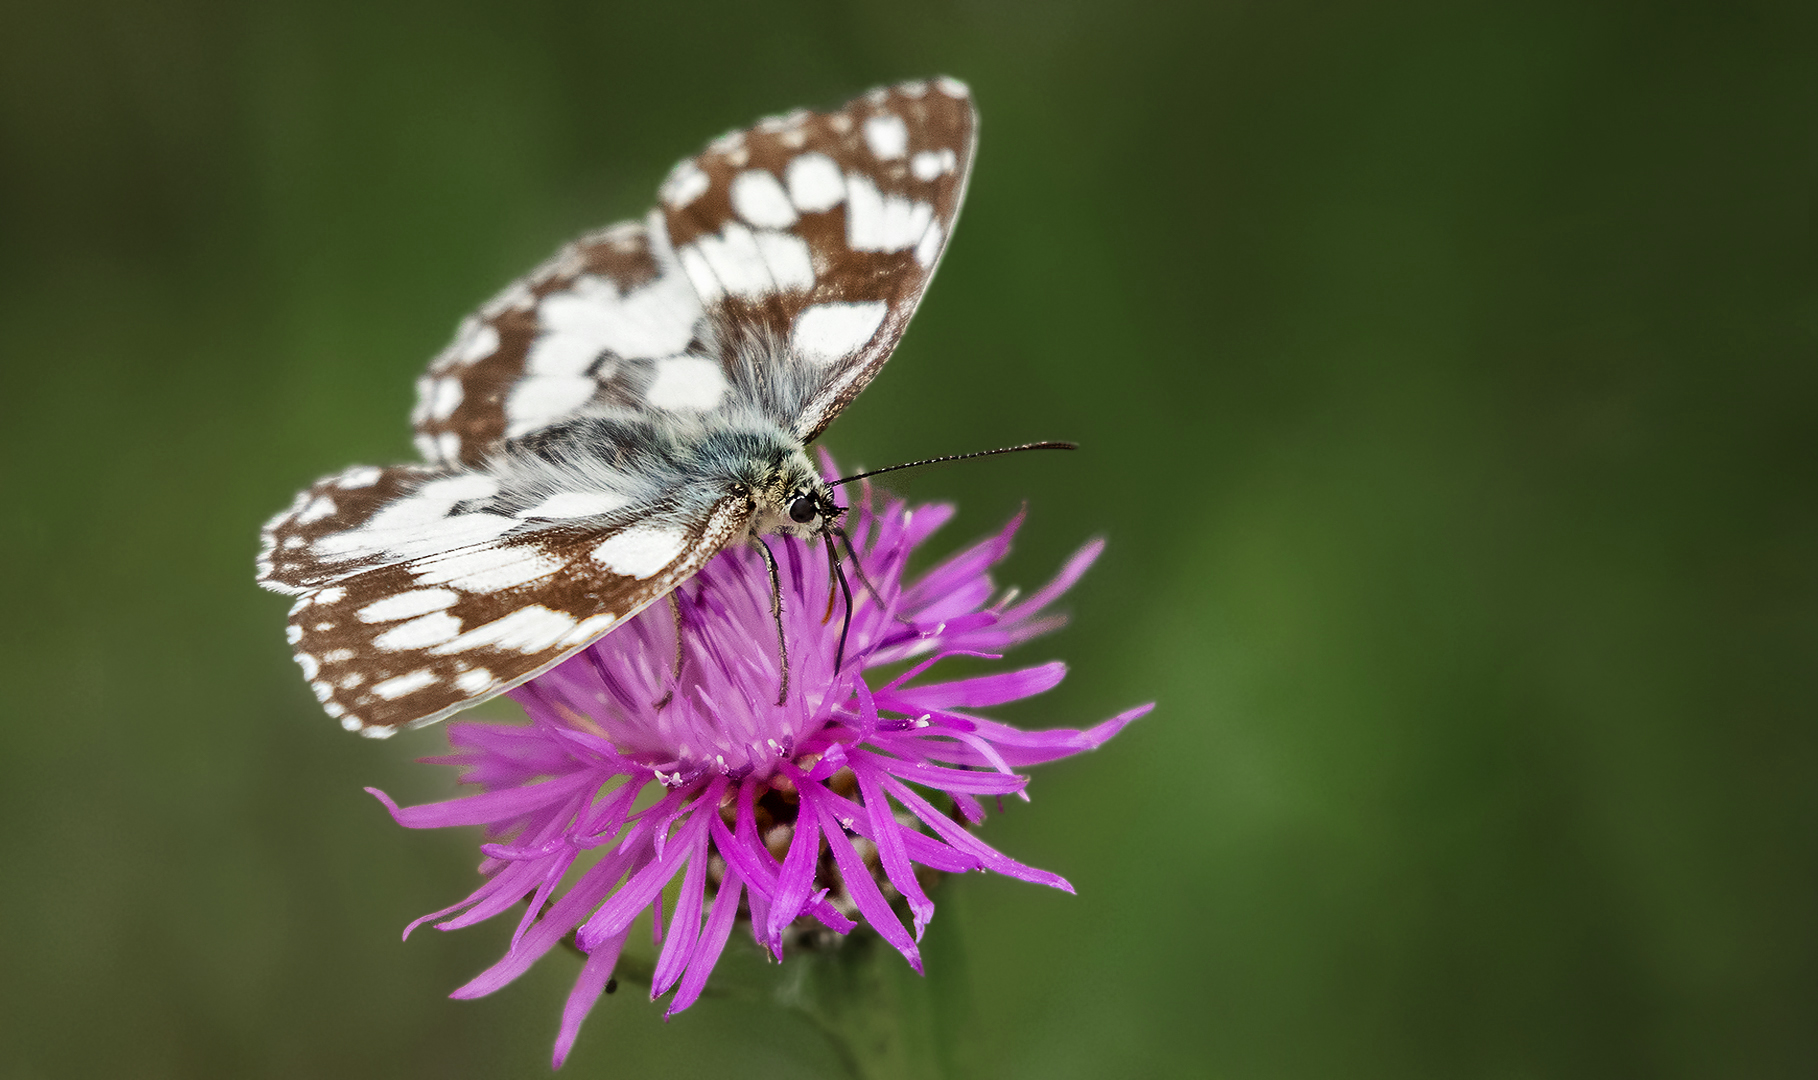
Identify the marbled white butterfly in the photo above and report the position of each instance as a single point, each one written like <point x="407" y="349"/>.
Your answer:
<point x="604" y="426"/>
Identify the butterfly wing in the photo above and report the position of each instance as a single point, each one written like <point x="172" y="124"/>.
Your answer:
<point x="415" y="601"/>
<point x="814" y="232"/>
<point x="421" y="592"/>
<point x="590" y="326"/>
<point x="821" y="231"/>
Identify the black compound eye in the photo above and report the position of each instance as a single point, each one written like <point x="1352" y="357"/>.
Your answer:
<point x="801" y="511"/>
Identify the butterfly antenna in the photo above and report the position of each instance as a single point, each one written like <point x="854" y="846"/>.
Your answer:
<point x="957" y="457"/>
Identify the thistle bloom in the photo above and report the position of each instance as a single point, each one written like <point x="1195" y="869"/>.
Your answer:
<point x="769" y="812"/>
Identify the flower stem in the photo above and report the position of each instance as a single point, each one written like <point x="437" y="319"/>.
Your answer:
<point x="877" y="1015"/>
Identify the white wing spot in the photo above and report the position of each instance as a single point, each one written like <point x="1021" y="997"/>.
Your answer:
<point x="338" y="656"/>
<point x="928" y="164"/>
<point x="878" y="222"/>
<point x="421" y="633"/>
<point x="473" y="340"/>
<point x="761" y="200"/>
<point x="527" y="630"/>
<point x="686" y="383"/>
<point x="786" y="254"/>
<point x="574" y="504"/>
<point x="743" y="263"/>
<point x="319" y="507"/>
<point x="482" y="342"/>
<point x="334" y="594"/>
<point x="407" y="605"/>
<point x="446" y="400"/>
<point x="541" y="400"/>
<point x="591" y="316"/>
<point x="293" y="634"/>
<point x="815" y="183"/>
<point x="930" y="246"/>
<point x="887" y="136"/>
<point x="952" y="87"/>
<point x="640" y="551"/>
<point x="448" y="446"/>
<point x="826" y="333"/>
<point x="589" y="629"/>
<point x="686" y="183"/>
<point x="408" y="683"/>
<point x="359" y="476"/>
<point x="488" y="568"/>
<point x="913" y="88"/>
<point x="474" y="681"/>
<point x="418" y="524"/>
<point x="308" y="664"/>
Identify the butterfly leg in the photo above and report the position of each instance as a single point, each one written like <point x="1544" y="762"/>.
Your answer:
<point x="675" y="672"/>
<point x="833" y="560"/>
<point x="776" y="613"/>
<point x="858" y="567"/>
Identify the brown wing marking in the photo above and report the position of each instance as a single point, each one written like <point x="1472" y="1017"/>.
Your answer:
<point x="505" y="358"/>
<point x="335" y="504"/>
<point x="408" y="644"/>
<point x="871" y="189"/>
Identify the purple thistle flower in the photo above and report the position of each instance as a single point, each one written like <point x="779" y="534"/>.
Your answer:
<point x="731" y="767"/>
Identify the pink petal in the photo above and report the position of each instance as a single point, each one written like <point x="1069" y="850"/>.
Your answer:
<point x="587" y="990"/>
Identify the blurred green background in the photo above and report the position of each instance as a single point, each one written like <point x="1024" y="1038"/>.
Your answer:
<point x="1447" y="382"/>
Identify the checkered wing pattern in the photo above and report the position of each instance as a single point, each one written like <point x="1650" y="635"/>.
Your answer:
<point x="416" y="597"/>
<point x="821" y="231"/>
<point x="775" y="276"/>
<point x="813" y="235"/>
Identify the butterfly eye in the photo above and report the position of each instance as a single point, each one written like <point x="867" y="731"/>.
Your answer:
<point x="801" y="511"/>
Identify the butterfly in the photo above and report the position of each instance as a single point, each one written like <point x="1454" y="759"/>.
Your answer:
<point x="604" y="426"/>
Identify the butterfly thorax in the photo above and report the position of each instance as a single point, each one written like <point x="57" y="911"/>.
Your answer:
<point x="616" y="465"/>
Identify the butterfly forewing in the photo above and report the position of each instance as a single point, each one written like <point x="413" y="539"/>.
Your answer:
<point x="391" y="635"/>
<point x="820" y="231"/>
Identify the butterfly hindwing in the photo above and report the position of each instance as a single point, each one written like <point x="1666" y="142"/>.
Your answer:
<point x="593" y="325"/>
